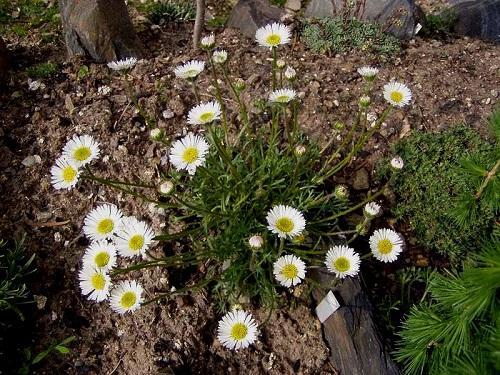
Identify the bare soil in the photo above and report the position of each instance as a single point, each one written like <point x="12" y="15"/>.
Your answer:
<point x="452" y="81"/>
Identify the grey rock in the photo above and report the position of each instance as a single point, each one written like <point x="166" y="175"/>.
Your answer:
<point x="100" y="29"/>
<point x="249" y="15"/>
<point x="361" y="180"/>
<point x="293" y="5"/>
<point x="478" y="18"/>
<point x="399" y="14"/>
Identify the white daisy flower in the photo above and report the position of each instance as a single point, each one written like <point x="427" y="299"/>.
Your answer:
<point x="285" y="221"/>
<point x="290" y="73"/>
<point x="342" y="261"/>
<point x="372" y="210"/>
<point x="220" y="56"/>
<point x="282" y="96"/>
<point x="134" y="237"/>
<point x="189" y="153"/>
<point x="189" y="70"/>
<point x="386" y="245"/>
<point x="100" y="255"/>
<point x="94" y="283"/>
<point x="397" y="162"/>
<point x="126" y="297"/>
<point x="289" y="270"/>
<point x="64" y="174"/>
<point x="273" y="35"/>
<point x="204" y="113"/>
<point x="256" y="241"/>
<point x="397" y="94"/>
<point x="208" y="41"/>
<point x="368" y="72"/>
<point x="237" y="329"/>
<point x="81" y="150"/>
<point x="102" y="222"/>
<point x="123" y="64"/>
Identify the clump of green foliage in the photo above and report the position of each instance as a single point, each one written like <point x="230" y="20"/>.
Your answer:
<point x="279" y="3"/>
<point x="42" y="70"/>
<point x="439" y="24"/>
<point x="458" y="330"/>
<point x="333" y="35"/>
<point x="30" y="361"/>
<point x="15" y="266"/>
<point x="170" y="11"/>
<point x="431" y="181"/>
<point x="32" y="14"/>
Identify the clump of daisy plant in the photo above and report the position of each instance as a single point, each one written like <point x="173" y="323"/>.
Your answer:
<point x="250" y="196"/>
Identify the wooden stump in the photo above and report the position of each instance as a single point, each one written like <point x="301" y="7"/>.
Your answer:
<point x="100" y="29"/>
<point x="355" y="347"/>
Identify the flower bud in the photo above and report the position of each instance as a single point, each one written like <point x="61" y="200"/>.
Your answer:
<point x="300" y="150"/>
<point x="372" y="210"/>
<point x="364" y="101"/>
<point x="239" y="84"/>
<point x="166" y="187"/>
<point x="290" y="73"/>
<point x="156" y="134"/>
<point x="341" y="192"/>
<point x="208" y="42"/>
<point x="256" y="241"/>
<point x="280" y="64"/>
<point x="397" y="163"/>
<point x="220" y="56"/>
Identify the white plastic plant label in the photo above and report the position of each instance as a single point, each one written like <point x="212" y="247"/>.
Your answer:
<point x="327" y="307"/>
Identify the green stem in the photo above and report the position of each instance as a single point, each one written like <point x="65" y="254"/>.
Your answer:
<point x="218" y="94"/>
<point x="275" y="58"/>
<point x="119" y="188"/>
<point x="353" y="208"/>
<point x="195" y="90"/>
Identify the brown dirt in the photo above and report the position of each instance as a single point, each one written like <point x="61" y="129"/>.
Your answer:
<point x="452" y="82"/>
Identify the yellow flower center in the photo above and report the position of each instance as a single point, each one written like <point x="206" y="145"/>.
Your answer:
<point x="190" y="155"/>
<point x="98" y="281"/>
<point x="105" y="226"/>
<point x="396" y="96"/>
<point x="101" y="259"/>
<point x="290" y="271"/>
<point x="136" y="242"/>
<point x="69" y="174"/>
<point x="342" y="264"/>
<point x="239" y="331"/>
<point x="128" y="300"/>
<point x="273" y="40"/>
<point x="385" y="246"/>
<point x="192" y="73"/>
<point x="82" y="153"/>
<point x="207" y="117"/>
<point x="283" y="99"/>
<point x="284" y="224"/>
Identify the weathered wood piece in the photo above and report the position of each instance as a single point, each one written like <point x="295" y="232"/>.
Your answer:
<point x="478" y="18"/>
<point x="100" y="29"/>
<point x="355" y="347"/>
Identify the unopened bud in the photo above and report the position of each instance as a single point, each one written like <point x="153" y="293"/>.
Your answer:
<point x="256" y="242"/>
<point x="299" y="150"/>
<point x="364" y="101"/>
<point x="280" y="64"/>
<point x="397" y="163"/>
<point x="341" y="192"/>
<point x="166" y="187"/>
<point x="239" y="84"/>
<point x="290" y="73"/>
<point x="156" y="134"/>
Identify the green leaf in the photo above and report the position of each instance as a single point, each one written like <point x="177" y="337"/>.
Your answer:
<point x="62" y="349"/>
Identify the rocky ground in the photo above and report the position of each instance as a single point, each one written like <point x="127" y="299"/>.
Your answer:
<point x="453" y="81"/>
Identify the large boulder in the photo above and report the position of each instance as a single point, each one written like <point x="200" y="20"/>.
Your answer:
<point x="478" y="18"/>
<point x="397" y="16"/>
<point x="100" y="29"/>
<point x="249" y="15"/>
